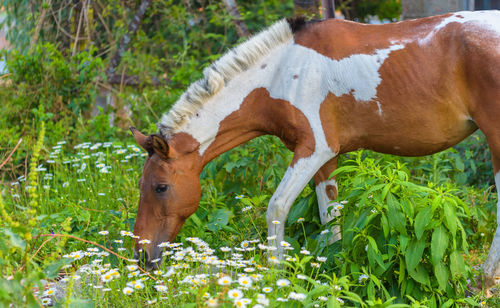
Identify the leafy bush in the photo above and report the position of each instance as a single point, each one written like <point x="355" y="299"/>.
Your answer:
<point x="408" y="239"/>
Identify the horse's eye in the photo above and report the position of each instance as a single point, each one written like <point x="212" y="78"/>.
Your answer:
<point x="161" y="188"/>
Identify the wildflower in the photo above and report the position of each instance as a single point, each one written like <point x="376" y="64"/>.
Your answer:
<point x="302" y="277"/>
<point x="245" y="281"/>
<point x="144" y="241"/>
<point x="267" y="289"/>
<point x="285" y="244"/>
<point x="325" y="231"/>
<point x="157" y="272"/>
<point x="132" y="267"/>
<point x="321" y="259"/>
<point x="118" y="241"/>
<point x="104" y="232"/>
<point x="212" y="302"/>
<point x="224" y="281"/>
<point x="297" y="296"/>
<point x="235" y="294"/>
<point x="126" y="233"/>
<point x="152" y="301"/>
<point x="46" y="301"/>
<point x="282" y="282"/>
<point x="106" y="277"/>
<point x="305" y="252"/>
<point x="139" y="286"/>
<point x="340" y="300"/>
<point x="262" y="300"/>
<point x="276" y="222"/>
<point x="246" y="209"/>
<point x="323" y="298"/>
<point x="239" y="197"/>
<point x="271" y="238"/>
<point x="301" y="219"/>
<point x="314" y="264"/>
<point x="128" y="290"/>
<point x="363" y="278"/>
<point x="241" y="302"/>
<point x="161" y="288"/>
<point x="48" y="292"/>
<point x="244" y="244"/>
<point x="225" y="249"/>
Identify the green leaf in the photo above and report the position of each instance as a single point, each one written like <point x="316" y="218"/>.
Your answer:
<point x="439" y="244"/>
<point x="15" y="239"/>
<point x="441" y="273"/>
<point x="219" y="218"/>
<point x="396" y="218"/>
<point x="420" y="275"/>
<point x="52" y="270"/>
<point x="457" y="265"/>
<point x="422" y="220"/>
<point x="298" y="210"/>
<point x="450" y="218"/>
<point x="332" y="302"/>
<point x="414" y="254"/>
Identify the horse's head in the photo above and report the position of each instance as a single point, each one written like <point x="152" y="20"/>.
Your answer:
<point x="169" y="192"/>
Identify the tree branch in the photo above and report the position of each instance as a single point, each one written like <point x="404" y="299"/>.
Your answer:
<point x="132" y="29"/>
<point x="239" y="23"/>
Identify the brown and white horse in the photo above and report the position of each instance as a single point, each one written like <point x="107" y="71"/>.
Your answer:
<point x="325" y="88"/>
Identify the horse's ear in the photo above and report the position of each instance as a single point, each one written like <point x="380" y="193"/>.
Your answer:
<point x="160" y="146"/>
<point x="141" y="139"/>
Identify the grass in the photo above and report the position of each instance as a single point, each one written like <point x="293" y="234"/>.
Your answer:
<point x="87" y="196"/>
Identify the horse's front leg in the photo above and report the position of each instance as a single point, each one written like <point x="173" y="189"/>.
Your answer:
<point x="296" y="178"/>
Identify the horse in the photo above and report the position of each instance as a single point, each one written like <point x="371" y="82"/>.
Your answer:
<point x="325" y="88"/>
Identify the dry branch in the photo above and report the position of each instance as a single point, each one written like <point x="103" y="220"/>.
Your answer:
<point x="10" y="155"/>
<point x="132" y="29"/>
<point x="239" y="23"/>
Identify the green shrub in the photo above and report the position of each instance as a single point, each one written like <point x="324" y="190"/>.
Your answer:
<point x="407" y="239"/>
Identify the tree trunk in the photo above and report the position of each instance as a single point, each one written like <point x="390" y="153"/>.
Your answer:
<point x="106" y="99"/>
<point x="239" y="23"/>
<point x="309" y="8"/>
<point x="328" y="8"/>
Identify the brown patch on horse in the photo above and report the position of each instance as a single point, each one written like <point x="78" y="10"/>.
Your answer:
<point x="257" y="116"/>
<point x="331" y="191"/>
<point x="413" y="95"/>
<point x="338" y="39"/>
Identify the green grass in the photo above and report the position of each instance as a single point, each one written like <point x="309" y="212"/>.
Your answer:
<point x="90" y="191"/>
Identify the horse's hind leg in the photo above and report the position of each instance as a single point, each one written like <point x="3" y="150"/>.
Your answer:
<point x="492" y="265"/>
<point x="326" y="191"/>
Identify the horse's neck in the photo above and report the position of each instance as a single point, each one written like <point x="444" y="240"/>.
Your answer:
<point x="245" y="109"/>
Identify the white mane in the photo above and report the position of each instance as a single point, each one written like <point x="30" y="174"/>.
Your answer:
<point x="219" y="73"/>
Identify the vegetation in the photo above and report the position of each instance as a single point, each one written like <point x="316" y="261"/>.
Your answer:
<point x="414" y="230"/>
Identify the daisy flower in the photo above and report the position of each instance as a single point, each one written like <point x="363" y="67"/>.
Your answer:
<point x="104" y="232"/>
<point x="235" y="294"/>
<point x="212" y="302"/>
<point x="128" y="290"/>
<point x="267" y="289"/>
<point x="245" y="281"/>
<point x="282" y="282"/>
<point x="363" y="278"/>
<point x="224" y="281"/>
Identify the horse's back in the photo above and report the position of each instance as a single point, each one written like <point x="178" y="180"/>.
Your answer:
<point x="428" y="87"/>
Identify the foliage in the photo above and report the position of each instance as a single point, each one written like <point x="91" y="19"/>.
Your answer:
<point x="408" y="239"/>
<point x="79" y="189"/>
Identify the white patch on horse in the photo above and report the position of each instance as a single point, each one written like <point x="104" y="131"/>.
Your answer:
<point x="492" y="263"/>
<point x="293" y="182"/>
<point x="484" y="20"/>
<point x="300" y="76"/>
